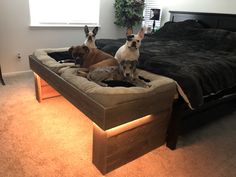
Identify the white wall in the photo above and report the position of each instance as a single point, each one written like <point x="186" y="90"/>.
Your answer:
<point x="16" y="35"/>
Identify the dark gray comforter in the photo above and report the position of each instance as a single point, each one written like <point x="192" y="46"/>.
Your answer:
<point x="201" y="60"/>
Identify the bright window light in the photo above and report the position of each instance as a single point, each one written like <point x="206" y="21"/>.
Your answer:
<point x="64" y="12"/>
<point x="151" y="4"/>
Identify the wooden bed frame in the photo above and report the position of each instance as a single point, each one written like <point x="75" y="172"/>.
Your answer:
<point x="181" y="113"/>
<point x="121" y="132"/>
<point x="209" y="20"/>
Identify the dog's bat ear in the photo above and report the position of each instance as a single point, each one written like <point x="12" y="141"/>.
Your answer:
<point x="86" y="49"/>
<point x="129" y="32"/>
<point x="86" y="30"/>
<point x="71" y="49"/>
<point x="141" y="32"/>
<point x="95" y="30"/>
<point x="130" y="37"/>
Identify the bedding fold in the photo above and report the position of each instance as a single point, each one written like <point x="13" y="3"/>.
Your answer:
<point x="201" y="60"/>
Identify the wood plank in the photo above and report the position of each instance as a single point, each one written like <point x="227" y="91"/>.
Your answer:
<point x="43" y="90"/>
<point x="99" y="149"/>
<point x="111" y="150"/>
<point x="104" y="117"/>
<point x="132" y="110"/>
<point x="38" y="92"/>
<point x="86" y="104"/>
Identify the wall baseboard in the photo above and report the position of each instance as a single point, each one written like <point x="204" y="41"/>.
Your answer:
<point x="17" y="72"/>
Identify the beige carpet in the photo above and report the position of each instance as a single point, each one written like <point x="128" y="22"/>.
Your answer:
<point x="54" y="139"/>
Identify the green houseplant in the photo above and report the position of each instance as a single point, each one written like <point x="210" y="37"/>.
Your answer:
<point x="128" y="13"/>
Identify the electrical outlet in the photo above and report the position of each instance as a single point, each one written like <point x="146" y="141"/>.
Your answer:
<point x="18" y="56"/>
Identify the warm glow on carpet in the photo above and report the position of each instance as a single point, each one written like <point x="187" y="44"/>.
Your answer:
<point x="33" y="142"/>
<point x="57" y="128"/>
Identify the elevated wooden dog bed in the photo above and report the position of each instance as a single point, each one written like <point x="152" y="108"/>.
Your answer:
<point x="128" y="122"/>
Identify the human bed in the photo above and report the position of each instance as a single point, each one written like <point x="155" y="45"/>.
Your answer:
<point x="198" y="51"/>
<point x="165" y="59"/>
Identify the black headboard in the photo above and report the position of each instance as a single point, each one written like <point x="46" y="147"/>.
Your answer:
<point x="210" y="20"/>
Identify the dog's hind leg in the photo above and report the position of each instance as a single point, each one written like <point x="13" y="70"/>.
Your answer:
<point x="139" y="83"/>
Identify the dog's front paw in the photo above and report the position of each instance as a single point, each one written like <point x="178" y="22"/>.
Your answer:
<point x="102" y="84"/>
<point x="148" y="85"/>
<point x="144" y="85"/>
<point x="82" y="73"/>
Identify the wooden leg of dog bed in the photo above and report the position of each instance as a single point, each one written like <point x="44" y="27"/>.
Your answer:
<point x="114" y="147"/>
<point x="43" y="90"/>
<point x="38" y="91"/>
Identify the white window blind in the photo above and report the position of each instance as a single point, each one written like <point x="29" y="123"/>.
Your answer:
<point x="151" y="4"/>
<point x="64" y="12"/>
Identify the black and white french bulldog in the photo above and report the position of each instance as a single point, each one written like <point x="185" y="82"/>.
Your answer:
<point x="90" y="37"/>
<point x="130" y="50"/>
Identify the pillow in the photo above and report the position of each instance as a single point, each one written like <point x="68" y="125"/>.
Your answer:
<point x="61" y="55"/>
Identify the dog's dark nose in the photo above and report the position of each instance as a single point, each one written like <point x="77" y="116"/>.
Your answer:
<point x="133" y="44"/>
<point x="78" y="60"/>
<point x="127" y="74"/>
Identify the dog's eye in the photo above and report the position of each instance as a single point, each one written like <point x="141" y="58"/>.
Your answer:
<point x="138" y="40"/>
<point x="130" y="37"/>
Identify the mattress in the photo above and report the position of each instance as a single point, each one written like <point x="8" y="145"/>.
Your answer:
<point x="201" y="60"/>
